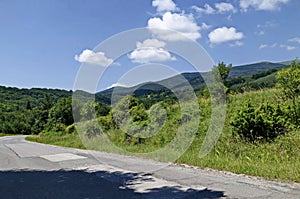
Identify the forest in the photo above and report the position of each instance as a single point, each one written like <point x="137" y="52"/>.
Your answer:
<point x="261" y="126"/>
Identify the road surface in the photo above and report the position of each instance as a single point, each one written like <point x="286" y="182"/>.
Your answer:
<point x="32" y="170"/>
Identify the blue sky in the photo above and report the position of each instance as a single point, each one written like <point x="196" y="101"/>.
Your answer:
<point x="43" y="43"/>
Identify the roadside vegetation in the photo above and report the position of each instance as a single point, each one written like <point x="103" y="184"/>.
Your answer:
<point x="261" y="135"/>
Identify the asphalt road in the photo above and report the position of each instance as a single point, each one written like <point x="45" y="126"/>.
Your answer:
<point x="31" y="170"/>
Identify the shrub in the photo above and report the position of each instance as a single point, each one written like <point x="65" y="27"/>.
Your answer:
<point x="92" y="130"/>
<point x="70" y="129"/>
<point x="289" y="85"/>
<point x="264" y="123"/>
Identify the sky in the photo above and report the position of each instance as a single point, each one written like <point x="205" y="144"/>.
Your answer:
<point x="45" y="43"/>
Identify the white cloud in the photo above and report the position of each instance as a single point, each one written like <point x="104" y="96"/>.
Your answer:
<point x="91" y="57"/>
<point x="152" y="43"/>
<point x="262" y="4"/>
<point x="274" y="45"/>
<point x="220" y="8"/>
<point x="225" y="7"/>
<point x="229" y="17"/>
<point x="206" y="10"/>
<point x="260" y="33"/>
<point x="236" y="43"/>
<point x="184" y="24"/>
<point x="262" y="46"/>
<point x="295" y="39"/>
<point x="204" y="26"/>
<point x="224" y="34"/>
<point x="164" y="5"/>
<point x="150" y="50"/>
<point x="288" y="47"/>
<point x="116" y="85"/>
<point x="267" y="24"/>
<point x="262" y="28"/>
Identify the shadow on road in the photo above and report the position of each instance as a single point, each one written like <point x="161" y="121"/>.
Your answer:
<point x="81" y="184"/>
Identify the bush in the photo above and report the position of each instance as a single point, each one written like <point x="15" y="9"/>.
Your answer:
<point x="70" y="129"/>
<point x="92" y="130"/>
<point x="289" y="85"/>
<point x="264" y="123"/>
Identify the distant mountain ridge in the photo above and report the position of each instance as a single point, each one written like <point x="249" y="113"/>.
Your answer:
<point x="195" y="79"/>
<point x="250" y="69"/>
<point x="35" y="95"/>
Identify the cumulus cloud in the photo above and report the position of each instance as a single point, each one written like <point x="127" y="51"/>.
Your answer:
<point x="224" y="34"/>
<point x="225" y="7"/>
<point x="184" y="24"/>
<point x="164" y="5"/>
<point x="295" y="39"/>
<point x="91" y="57"/>
<point x="262" y="4"/>
<point x="152" y="43"/>
<point x="207" y="9"/>
<point x="150" y="50"/>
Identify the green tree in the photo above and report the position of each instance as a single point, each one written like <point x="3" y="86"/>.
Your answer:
<point x="61" y="112"/>
<point x="88" y="110"/>
<point x="221" y="72"/>
<point x="102" y="109"/>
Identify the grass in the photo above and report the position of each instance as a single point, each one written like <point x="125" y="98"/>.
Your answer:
<point x="57" y="138"/>
<point x="278" y="160"/>
<point x="3" y="134"/>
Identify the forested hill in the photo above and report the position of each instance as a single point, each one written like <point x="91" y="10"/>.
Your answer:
<point x="29" y="98"/>
<point x="250" y="69"/>
<point x="25" y="111"/>
<point x="239" y="76"/>
<point x="28" y="111"/>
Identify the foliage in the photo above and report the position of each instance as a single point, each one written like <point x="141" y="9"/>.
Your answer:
<point x="258" y="81"/>
<point x="61" y="113"/>
<point x="154" y="120"/>
<point x="92" y="129"/>
<point x="279" y="159"/>
<point x="221" y="72"/>
<point x="289" y="81"/>
<point x="289" y="84"/>
<point x="255" y="124"/>
<point x="88" y="110"/>
<point x="264" y="73"/>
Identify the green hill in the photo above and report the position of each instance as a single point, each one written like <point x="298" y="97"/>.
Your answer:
<point x="250" y="73"/>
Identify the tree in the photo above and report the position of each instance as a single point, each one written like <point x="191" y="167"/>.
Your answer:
<point x="88" y="110"/>
<point x="221" y="72"/>
<point x="288" y="81"/>
<point x="102" y="109"/>
<point x="61" y="113"/>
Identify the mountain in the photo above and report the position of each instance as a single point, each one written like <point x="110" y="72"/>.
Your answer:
<point x="195" y="79"/>
<point x="251" y="74"/>
<point x="289" y="62"/>
<point x="250" y="69"/>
